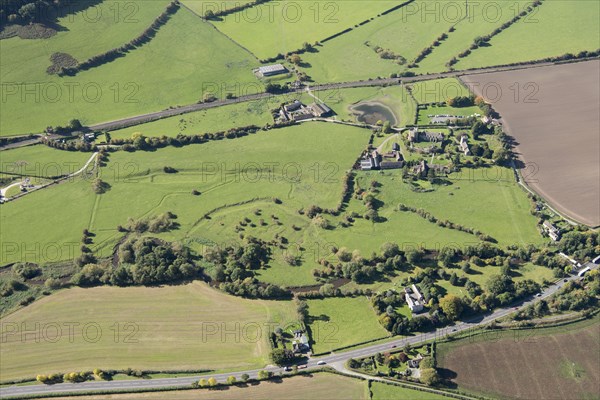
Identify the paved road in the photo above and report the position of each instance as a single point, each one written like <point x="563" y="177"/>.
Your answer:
<point x="333" y="358"/>
<point x="173" y="111"/>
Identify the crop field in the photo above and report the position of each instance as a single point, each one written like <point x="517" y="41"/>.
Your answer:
<point x="203" y="61"/>
<point x="559" y="27"/>
<point x="40" y="160"/>
<point x="316" y="386"/>
<point x="338" y="322"/>
<point x="128" y="331"/>
<point x="557" y="362"/>
<point x="212" y="120"/>
<point x="561" y="168"/>
<point x="298" y="174"/>
<point x="267" y="30"/>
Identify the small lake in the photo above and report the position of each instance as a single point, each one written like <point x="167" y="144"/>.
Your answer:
<point x="370" y="113"/>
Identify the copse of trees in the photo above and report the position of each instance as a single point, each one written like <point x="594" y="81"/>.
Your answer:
<point x="234" y="269"/>
<point x="142" y="261"/>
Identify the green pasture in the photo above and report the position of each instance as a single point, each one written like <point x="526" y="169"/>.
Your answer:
<point x="151" y="78"/>
<point x="267" y="30"/>
<point x="558" y="27"/>
<point x="339" y="322"/>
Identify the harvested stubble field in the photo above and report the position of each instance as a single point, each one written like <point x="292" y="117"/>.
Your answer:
<point x="119" y="328"/>
<point x="555" y="121"/>
<point x="548" y="363"/>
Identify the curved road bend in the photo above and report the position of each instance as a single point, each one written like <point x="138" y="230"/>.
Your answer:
<point x="332" y="358"/>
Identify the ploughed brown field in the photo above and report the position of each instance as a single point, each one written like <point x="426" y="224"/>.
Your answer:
<point x="554" y="117"/>
<point x="526" y="364"/>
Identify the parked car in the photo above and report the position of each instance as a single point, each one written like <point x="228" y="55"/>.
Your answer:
<point x="302" y="366"/>
<point x="287" y="369"/>
<point x="394" y="346"/>
<point x="321" y="362"/>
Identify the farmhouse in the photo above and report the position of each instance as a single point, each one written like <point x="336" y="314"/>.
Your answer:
<point x="464" y="146"/>
<point x="375" y="160"/>
<point x="270" y="70"/>
<point x="414" y="136"/>
<point x="551" y="230"/>
<point x="300" y="342"/>
<point x="414" y="298"/>
<point x="296" y="111"/>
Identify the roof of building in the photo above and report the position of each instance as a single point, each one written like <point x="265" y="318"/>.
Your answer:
<point x="271" y="68"/>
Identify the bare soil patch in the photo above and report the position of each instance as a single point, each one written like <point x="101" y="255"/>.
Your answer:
<point x="527" y="365"/>
<point x="555" y="119"/>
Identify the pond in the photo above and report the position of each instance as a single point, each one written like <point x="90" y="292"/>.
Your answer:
<point x="370" y="113"/>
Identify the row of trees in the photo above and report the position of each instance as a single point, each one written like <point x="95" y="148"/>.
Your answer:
<point x="445" y="223"/>
<point x="140" y="142"/>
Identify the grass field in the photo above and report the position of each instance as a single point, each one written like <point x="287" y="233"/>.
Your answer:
<point x="339" y="322"/>
<point x="382" y="391"/>
<point x="484" y="16"/>
<point x="201" y="6"/>
<point x="438" y="90"/>
<point x="504" y="214"/>
<point x="405" y="32"/>
<point x="315" y="386"/>
<point x="266" y="30"/>
<point x="40" y="160"/>
<point x="212" y="120"/>
<point x="557" y="362"/>
<point x="559" y="27"/>
<point x="225" y="172"/>
<point x="204" y="60"/>
<point x="119" y="328"/>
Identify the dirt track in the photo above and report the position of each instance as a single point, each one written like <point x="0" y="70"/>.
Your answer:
<point x="556" y="123"/>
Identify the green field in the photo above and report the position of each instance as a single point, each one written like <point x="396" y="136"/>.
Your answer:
<point x="503" y="213"/>
<point x="267" y="30"/>
<point x="277" y="163"/>
<point x="484" y="17"/>
<point x="203" y="61"/>
<point x="172" y="333"/>
<point x="438" y="90"/>
<point x="405" y="32"/>
<point x="201" y="6"/>
<point x="41" y="160"/>
<point x="212" y="120"/>
<point x="383" y="391"/>
<point x="558" y="27"/>
<point x="339" y="322"/>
